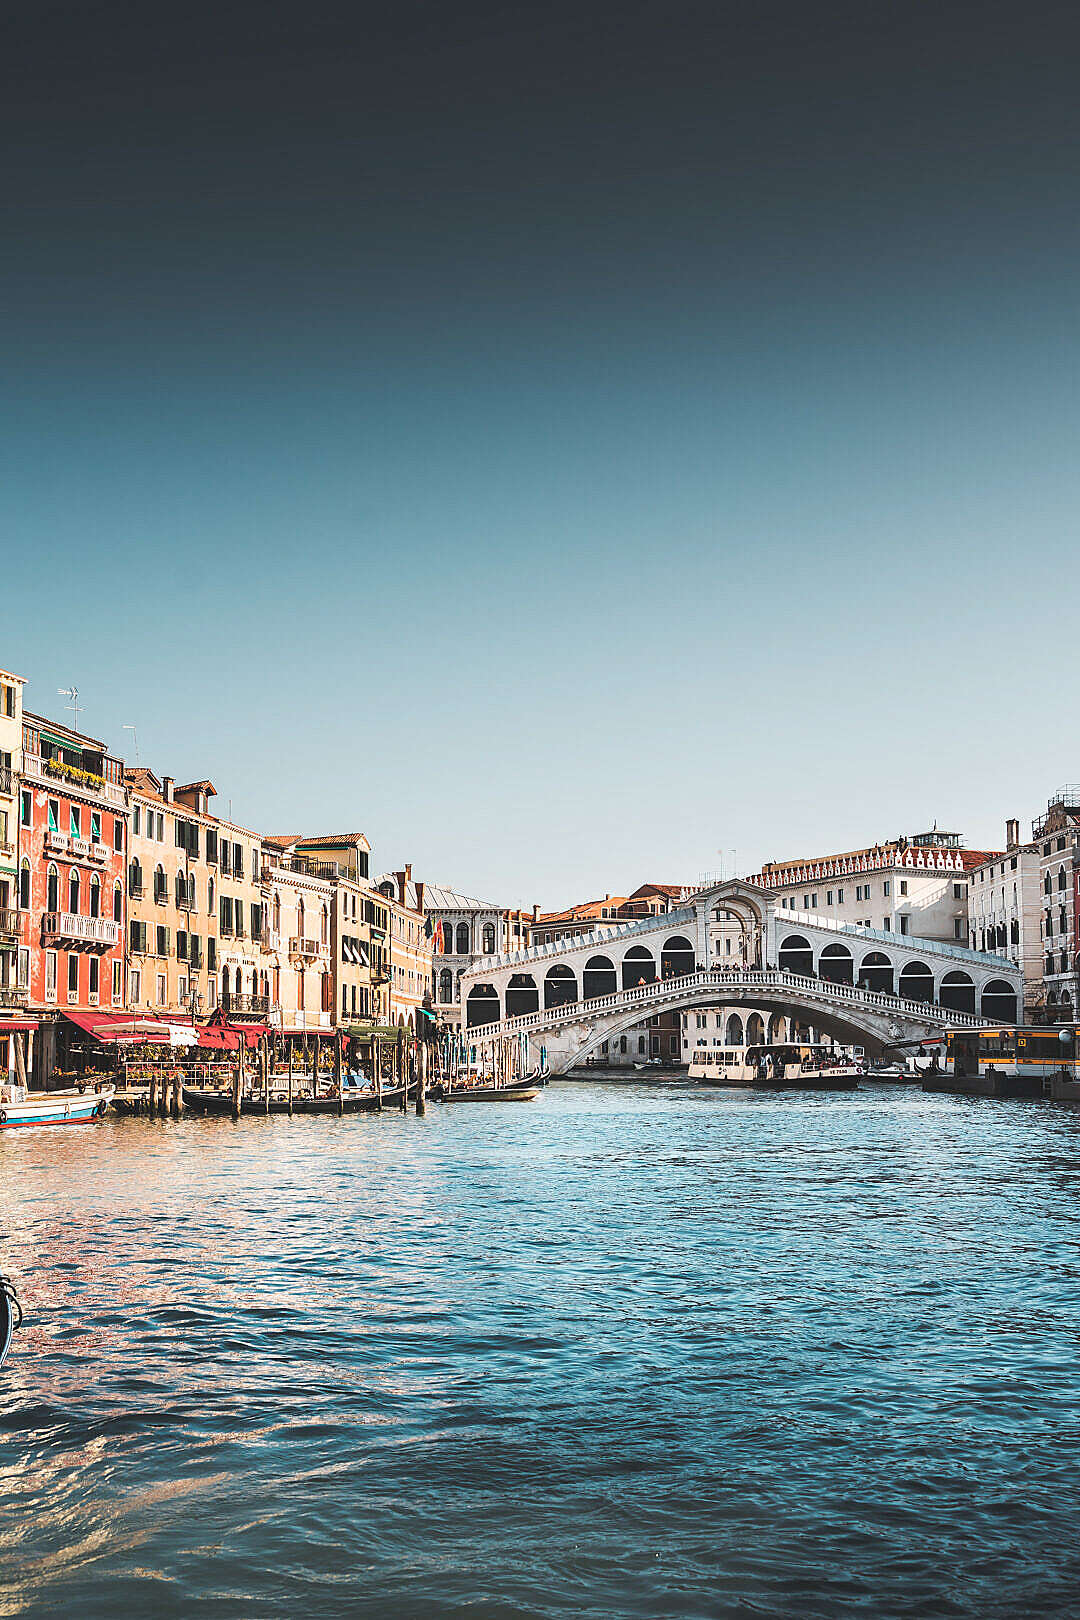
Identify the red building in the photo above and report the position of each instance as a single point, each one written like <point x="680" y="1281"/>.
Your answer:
<point x="72" y="863"/>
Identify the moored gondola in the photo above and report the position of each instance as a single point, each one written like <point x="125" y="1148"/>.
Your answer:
<point x="10" y="1315"/>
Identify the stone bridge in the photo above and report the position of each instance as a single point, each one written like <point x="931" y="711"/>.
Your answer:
<point x="726" y="944"/>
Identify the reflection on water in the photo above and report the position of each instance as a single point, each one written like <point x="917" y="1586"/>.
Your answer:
<point x="623" y="1351"/>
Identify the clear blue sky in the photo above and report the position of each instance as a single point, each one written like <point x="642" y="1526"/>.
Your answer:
<point x="564" y="449"/>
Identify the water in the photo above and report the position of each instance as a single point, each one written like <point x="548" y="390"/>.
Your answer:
<point x="627" y="1350"/>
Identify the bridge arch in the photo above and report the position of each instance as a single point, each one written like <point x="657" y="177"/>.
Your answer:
<point x="796" y="955"/>
<point x="733" y="1033"/>
<point x="638" y="967"/>
<point x="916" y="982"/>
<point x="958" y="991"/>
<point x="522" y="995"/>
<point x="598" y="978"/>
<point x="876" y="972"/>
<point x="999" y="1002"/>
<point x="836" y="964"/>
<point x="560" y="985"/>
<point x="483" y="1005"/>
<point x="677" y="957"/>
<point x="755" y="1030"/>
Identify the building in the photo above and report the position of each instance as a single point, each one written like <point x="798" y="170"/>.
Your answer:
<point x="464" y="930"/>
<point x="915" y="885"/>
<point x="72" y="857"/>
<point x="1005" y="912"/>
<point x="1056" y="835"/>
<point x="14" y="964"/>
<point x="195" y="923"/>
<point x="411" y="952"/>
<point x="327" y="951"/>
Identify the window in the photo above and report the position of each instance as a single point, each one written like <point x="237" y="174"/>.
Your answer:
<point x="9" y="702"/>
<point x="1061" y="877"/>
<point x="95" y="827"/>
<point x="161" y="995"/>
<point x="162" y="940"/>
<point x="25" y="807"/>
<point x="95" y="895"/>
<point x="76" y="821"/>
<point x="958" y="889"/>
<point x="489" y="939"/>
<point x="24" y="885"/>
<point x="73" y="892"/>
<point x="54" y="815"/>
<point x="886" y="888"/>
<point x="904" y="924"/>
<point x="50" y="975"/>
<point x="828" y="897"/>
<point x="95" y="977"/>
<point x="212" y="845"/>
<point x="839" y="897"/>
<point x="903" y="888"/>
<point x="136" y="827"/>
<point x="211" y="955"/>
<point x="72" y="976"/>
<point x="886" y="925"/>
<point x="117" y="833"/>
<point x="958" y="928"/>
<point x="806" y="902"/>
<point x="256" y="922"/>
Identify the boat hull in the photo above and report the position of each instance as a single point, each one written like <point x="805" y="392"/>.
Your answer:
<point x="53" y="1108"/>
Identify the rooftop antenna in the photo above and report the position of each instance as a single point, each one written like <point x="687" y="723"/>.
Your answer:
<point x="135" y="736"/>
<point x="71" y="692"/>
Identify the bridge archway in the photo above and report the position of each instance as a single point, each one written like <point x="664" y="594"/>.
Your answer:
<point x="916" y="982"/>
<point x="560" y="986"/>
<point x="482" y="1006"/>
<point x="638" y="967"/>
<point x="522" y="995"/>
<point x="876" y="972"/>
<point x="733" y="1034"/>
<point x="755" y="1030"/>
<point x="598" y="978"/>
<point x="999" y="1002"/>
<point x="796" y="955"/>
<point x="836" y="964"/>
<point x="958" y="991"/>
<point x="777" y="1029"/>
<point x="677" y="957"/>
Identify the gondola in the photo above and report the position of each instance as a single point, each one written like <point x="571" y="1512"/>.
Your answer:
<point x="10" y="1315"/>
<point x="522" y="1092"/>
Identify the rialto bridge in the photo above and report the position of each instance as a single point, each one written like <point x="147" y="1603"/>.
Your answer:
<point x="730" y="946"/>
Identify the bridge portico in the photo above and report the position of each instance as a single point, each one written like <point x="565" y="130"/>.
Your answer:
<point x="732" y="931"/>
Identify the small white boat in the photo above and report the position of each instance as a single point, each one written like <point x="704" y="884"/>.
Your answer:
<point x="10" y="1316"/>
<point x="20" y="1106"/>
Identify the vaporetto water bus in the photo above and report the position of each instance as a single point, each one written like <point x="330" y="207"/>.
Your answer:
<point x="19" y="1106"/>
<point x="1033" y="1060"/>
<point x="804" y="1068"/>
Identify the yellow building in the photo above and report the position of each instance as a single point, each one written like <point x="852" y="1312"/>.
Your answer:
<point x="410" y="986"/>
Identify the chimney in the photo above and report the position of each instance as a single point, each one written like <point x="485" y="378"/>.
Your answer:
<point x="168" y="783"/>
<point x="420" y="898"/>
<point x="1012" y="833"/>
<point x="408" y="871"/>
<point x="399" y="878"/>
<point x="536" y="913"/>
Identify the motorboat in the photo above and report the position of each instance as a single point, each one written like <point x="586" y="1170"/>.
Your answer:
<point x="788" y="1067"/>
<point x="79" y="1105"/>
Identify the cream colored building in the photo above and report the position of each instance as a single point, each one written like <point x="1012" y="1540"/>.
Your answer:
<point x="14" y="984"/>
<point x="195" y="908"/>
<point x="323" y="953"/>
<point x="411" y="954"/>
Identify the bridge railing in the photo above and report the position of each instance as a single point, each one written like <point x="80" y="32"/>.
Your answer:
<point x="825" y="991"/>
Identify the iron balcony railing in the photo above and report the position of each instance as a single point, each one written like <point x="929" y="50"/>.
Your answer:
<point x="243" y="1001"/>
<point x="7" y="779"/>
<point x="9" y="923"/>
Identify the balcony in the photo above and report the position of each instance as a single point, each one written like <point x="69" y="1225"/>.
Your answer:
<point x="235" y="1001"/>
<point x="49" y="771"/>
<point x="99" y="852"/>
<point x="100" y="933"/>
<point x="308" y="949"/>
<point x="135" y="890"/>
<point x="7" y="780"/>
<point x="56" y="843"/>
<point x="12" y="996"/>
<point x="9" y="926"/>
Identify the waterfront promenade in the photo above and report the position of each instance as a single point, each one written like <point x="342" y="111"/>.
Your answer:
<point x="650" y="1351"/>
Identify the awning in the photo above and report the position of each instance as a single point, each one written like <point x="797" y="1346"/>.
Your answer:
<point x="20" y="1026"/>
<point x="62" y="742"/>
<point x="115" y="1029"/>
<point x="371" y="1032"/>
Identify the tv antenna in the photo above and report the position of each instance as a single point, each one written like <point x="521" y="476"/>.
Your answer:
<point x="135" y="737"/>
<point x="71" y="692"/>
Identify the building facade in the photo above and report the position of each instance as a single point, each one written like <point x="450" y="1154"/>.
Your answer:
<point x="411" y="953"/>
<point x="72" y="858"/>
<point x="917" y="886"/>
<point x="464" y="931"/>
<point x="1005" y="913"/>
<point x="14" y="964"/>
<point x="1056" y="835"/>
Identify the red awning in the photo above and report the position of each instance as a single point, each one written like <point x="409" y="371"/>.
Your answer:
<point x="117" y="1028"/>
<point x="216" y="1039"/>
<point x="19" y="1025"/>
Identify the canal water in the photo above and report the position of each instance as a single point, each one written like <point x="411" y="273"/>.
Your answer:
<point x="627" y="1350"/>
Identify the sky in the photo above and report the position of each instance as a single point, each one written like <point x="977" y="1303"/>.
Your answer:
<point x="575" y="445"/>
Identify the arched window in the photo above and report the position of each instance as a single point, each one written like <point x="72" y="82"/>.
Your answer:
<point x="52" y="890"/>
<point x="239" y="981"/>
<point x="598" y="978"/>
<point x="325" y="935"/>
<point x="446" y="986"/>
<point x="999" y="1002"/>
<point x="277" y="913"/>
<point x="916" y="982"/>
<point x="24" y="885"/>
<point x="677" y="957"/>
<point x="161" y="888"/>
<point x="638" y="967"/>
<point x="135" y="878"/>
<point x="797" y="955"/>
<point x="464" y="943"/>
<point x="210" y="895"/>
<point x="300" y="916"/>
<point x="117" y="902"/>
<point x="560" y="986"/>
<point x="73" y="892"/>
<point x="1061" y="877"/>
<point x="835" y="964"/>
<point x="95" y="895"/>
<point x="522" y="995"/>
<point x="876" y="973"/>
<point x="1048" y="884"/>
<point x="489" y="939"/>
